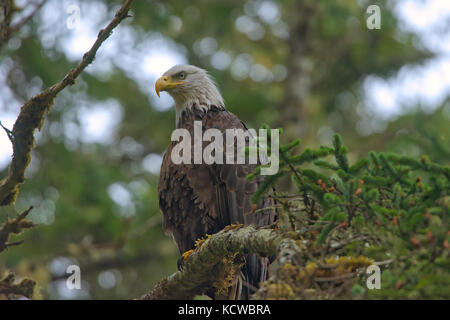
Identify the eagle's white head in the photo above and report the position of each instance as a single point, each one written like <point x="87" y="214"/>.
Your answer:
<point x="190" y="87"/>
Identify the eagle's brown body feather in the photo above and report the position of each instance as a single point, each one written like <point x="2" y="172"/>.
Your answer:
<point x="200" y="199"/>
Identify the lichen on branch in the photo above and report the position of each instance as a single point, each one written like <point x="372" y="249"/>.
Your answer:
<point x="14" y="226"/>
<point x="203" y="267"/>
<point x="10" y="288"/>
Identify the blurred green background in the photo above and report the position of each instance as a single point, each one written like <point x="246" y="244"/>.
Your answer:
<point x="311" y="67"/>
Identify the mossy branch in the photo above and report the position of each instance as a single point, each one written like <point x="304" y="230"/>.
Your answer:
<point x="10" y="288"/>
<point x="14" y="226"/>
<point x="202" y="268"/>
<point x="32" y="114"/>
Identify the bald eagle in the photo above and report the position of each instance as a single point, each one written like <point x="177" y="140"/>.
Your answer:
<point x="200" y="199"/>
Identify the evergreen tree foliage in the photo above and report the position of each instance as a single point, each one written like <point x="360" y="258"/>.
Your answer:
<point x="385" y="209"/>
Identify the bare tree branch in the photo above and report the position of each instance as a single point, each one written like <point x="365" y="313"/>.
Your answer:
<point x="6" y="9"/>
<point x="5" y="20"/>
<point x="32" y="114"/>
<point x="16" y="27"/>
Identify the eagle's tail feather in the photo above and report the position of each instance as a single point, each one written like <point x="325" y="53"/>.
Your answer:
<point x="255" y="271"/>
<point x="236" y="287"/>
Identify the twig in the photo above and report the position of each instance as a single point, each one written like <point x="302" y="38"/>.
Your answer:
<point x="336" y="278"/>
<point x="384" y="262"/>
<point x="32" y="114"/>
<point x="8" y="132"/>
<point x="16" y="27"/>
<point x="14" y="226"/>
<point x="5" y="20"/>
<point x="6" y="30"/>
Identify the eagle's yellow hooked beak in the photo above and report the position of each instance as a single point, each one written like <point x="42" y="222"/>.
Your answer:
<point x="164" y="83"/>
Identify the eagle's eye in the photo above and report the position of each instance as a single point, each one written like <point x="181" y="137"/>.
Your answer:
<point x="181" y="75"/>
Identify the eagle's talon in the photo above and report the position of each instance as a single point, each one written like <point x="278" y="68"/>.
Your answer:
<point x="186" y="254"/>
<point x="200" y="241"/>
<point x="183" y="258"/>
<point x="180" y="263"/>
